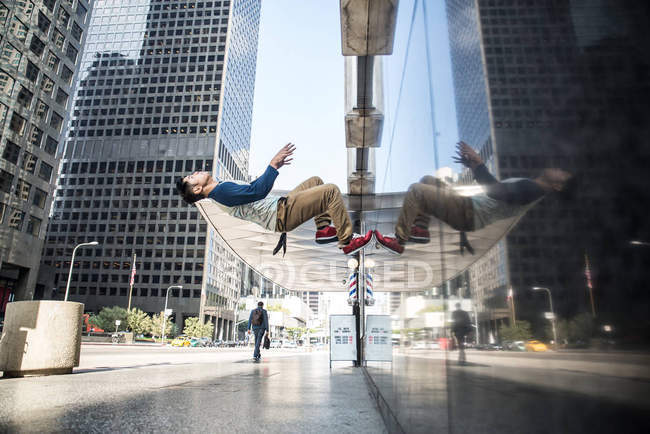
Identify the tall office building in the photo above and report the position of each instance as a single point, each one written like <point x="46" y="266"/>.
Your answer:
<point x="311" y="299"/>
<point x="40" y="43"/>
<point x="165" y="89"/>
<point x="544" y="83"/>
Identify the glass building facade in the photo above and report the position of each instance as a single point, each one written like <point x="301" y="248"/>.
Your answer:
<point x="556" y="84"/>
<point x="147" y="110"/>
<point x="40" y="42"/>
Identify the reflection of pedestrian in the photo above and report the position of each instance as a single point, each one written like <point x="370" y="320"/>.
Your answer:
<point x="460" y="328"/>
<point x="258" y="321"/>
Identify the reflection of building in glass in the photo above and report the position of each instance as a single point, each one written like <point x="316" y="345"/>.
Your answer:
<point x="40" y="43"/>
<point x="557" y="85"/>
<point x="150" y="105"/>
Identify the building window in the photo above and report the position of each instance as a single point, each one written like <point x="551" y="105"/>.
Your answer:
<point x="26" y="7"/>
<point x="15" y="219"/>
<point x="10" y="55"/>
<point x="18" y="29"/>
<point x="29" y="162"/>
<point x="37" y="46"/>
<point x="6" y="179"/>
<point x="41" y="110"/>
<point x="36" y="136"/>
<point x="6" y="83"/>
<point x="25" y="97"/>
<point x="50" y="145"/>
<point x="58" y="39"/>
<point x="63" y="17"/>
<point x="11" y="152"/>
<point x="17" y="124"/>
<point x="52" y="61"/>
<point x="43" y="22"/>
<point x="71" y="52"/>
<point x="45" y="172"/>
<point x="61" y="97"/>
<point x="47" y="85"/>
<point x="66" y="74"/>
<point x="56" y="121"/>
<point x="81" y="11"/>
<point x="39" y="198"/>
<point x="76" y="31"/>
<point x="33" y="226"/>
<point x="22" y="189"/>
<point x="31" y="72"/>
<point x="49" y="4"/>
<point x="4" y="13"/>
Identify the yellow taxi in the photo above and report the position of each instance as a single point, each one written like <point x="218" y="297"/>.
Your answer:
<point x="181" y="341"/>
<point x="536" y="346"/>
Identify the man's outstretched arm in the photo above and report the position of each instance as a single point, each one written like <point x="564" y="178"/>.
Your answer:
<point x="470" y="158"/>
<point x="233" y="194"/>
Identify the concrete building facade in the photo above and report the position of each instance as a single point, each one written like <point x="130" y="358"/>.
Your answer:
<point x="41" y="44"/>
<point x="152" y="105"/>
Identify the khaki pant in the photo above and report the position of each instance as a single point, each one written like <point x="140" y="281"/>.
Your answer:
<point x="432" y="197"/>
<point x="322" y="202"/>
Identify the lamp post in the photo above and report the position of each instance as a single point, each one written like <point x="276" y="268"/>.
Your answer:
<point x="550" y="301"/>
<point x="162" y="332"/>
<point x="67" y="288"/>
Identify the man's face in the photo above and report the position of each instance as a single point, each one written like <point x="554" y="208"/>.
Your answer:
<point x="198" y="179"/>
<point x="557" y="178"/>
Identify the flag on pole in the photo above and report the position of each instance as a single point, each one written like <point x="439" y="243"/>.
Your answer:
<point x="509" y="296"/>
<point x="133" y="273"/>
<point x="588" y="273"/>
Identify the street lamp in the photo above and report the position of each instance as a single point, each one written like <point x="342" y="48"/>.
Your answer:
<point x="550" y="301"/>
<point x="639" y="243"/>
<point x="162" y="332"/>
<point x="67" y="288"/>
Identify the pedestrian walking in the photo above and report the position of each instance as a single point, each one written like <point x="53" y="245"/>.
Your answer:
<point x="258" y="323"/>
<point x="461" y="326"/>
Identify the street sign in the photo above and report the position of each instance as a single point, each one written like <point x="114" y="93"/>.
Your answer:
<point x="549" y="315"/>
<point x="168" y="312"/>
<point x="118" y="322"/>
<point x="343" y="332"/>
<point x="379" y="346"/>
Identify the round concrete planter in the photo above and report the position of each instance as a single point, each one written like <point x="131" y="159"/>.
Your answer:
<point x="41" y="338"/>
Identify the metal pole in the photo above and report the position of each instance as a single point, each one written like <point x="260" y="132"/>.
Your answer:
<point x="589" y="285"/>
<point x="550" y="302"/>
<point x="162" y="332"/>
<point x="67" y="288"/>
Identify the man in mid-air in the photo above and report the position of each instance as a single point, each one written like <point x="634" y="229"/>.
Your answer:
<point x="252" y="202"/>
<point x="499" y="200"/>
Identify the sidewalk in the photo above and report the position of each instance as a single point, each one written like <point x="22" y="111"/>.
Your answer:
<point x="127" y="389"/>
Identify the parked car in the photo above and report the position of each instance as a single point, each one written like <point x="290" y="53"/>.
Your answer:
<point x="276" y="343"/>
<point x="204" y="342"/>
<point x="536" y="346"/>
<point x="195" y="342"/>
<point x="289" y="344"/>
<point x="181" y="341"/>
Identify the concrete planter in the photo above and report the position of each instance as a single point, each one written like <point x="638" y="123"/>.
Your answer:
<point x="41" y="338"/>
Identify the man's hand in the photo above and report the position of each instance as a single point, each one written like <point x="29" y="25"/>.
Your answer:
<point x="282" y="157"/>
<point x="467" y="156"/>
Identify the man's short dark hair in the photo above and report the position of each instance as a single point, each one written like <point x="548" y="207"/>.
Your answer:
<point x="260" y="303"/>
<point x="570" y="188"/>
<point x="184" y="188"/>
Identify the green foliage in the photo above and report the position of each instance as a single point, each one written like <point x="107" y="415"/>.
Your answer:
<point x="107" y="316"/>
<point x="580" y="328"/>
<point x="278" y="308"/>
<point x="519" y="332"/>
<point x="296" y="333"/>
<point x="156" y="326"/>
<point x="195" y="328"/>
<point x="138" y="321"/>
<point x="431" y="308"/>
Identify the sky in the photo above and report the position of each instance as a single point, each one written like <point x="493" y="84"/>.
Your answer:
<point x="299" y="95"/>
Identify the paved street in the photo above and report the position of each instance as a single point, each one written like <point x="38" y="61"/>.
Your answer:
<point x="136" y="389"/>
<point x="511" y="392"/>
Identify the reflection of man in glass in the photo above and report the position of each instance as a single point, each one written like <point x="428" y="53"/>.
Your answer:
<point x="461" y="326"/>
<point x="499" y="200"/>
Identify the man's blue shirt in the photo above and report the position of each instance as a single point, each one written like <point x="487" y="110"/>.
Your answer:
<point x="265" y="319"/>
<point x="233" y="194"/>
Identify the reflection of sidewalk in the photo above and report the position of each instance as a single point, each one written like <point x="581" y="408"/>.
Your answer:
<point x="154" y="389"/>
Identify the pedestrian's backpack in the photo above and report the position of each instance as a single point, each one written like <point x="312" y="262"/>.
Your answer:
<point x="257" y="317"/>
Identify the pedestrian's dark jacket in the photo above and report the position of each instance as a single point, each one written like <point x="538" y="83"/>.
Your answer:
<point x="461" y="322"/>
<point x="265" y="320"/>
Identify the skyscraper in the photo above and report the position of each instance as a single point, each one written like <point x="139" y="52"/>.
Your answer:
<point x="40" y="43"/>
<point x="165" y="89"/>
<point x="558" y="84"/>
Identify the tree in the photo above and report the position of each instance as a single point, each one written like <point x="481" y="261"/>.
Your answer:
<point x="138" y="321"/>
<point x="194" y="327"/>
<point x="581" y="328"/>
<point x="520" y="331"/>
<point x="107" y="317"/>
<point x="156" y="326"/>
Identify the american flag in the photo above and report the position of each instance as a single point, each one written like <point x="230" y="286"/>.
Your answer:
<point x="133" y="272"/>
<point x="588" y="273"/>
<point x="509" y="296"/>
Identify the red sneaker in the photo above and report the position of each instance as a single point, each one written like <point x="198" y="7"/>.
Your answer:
<point x="357" y="243"/>
<point x="389" y="243"/>
<point x="419" y="235"/>
<point x="326" y="235"/>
